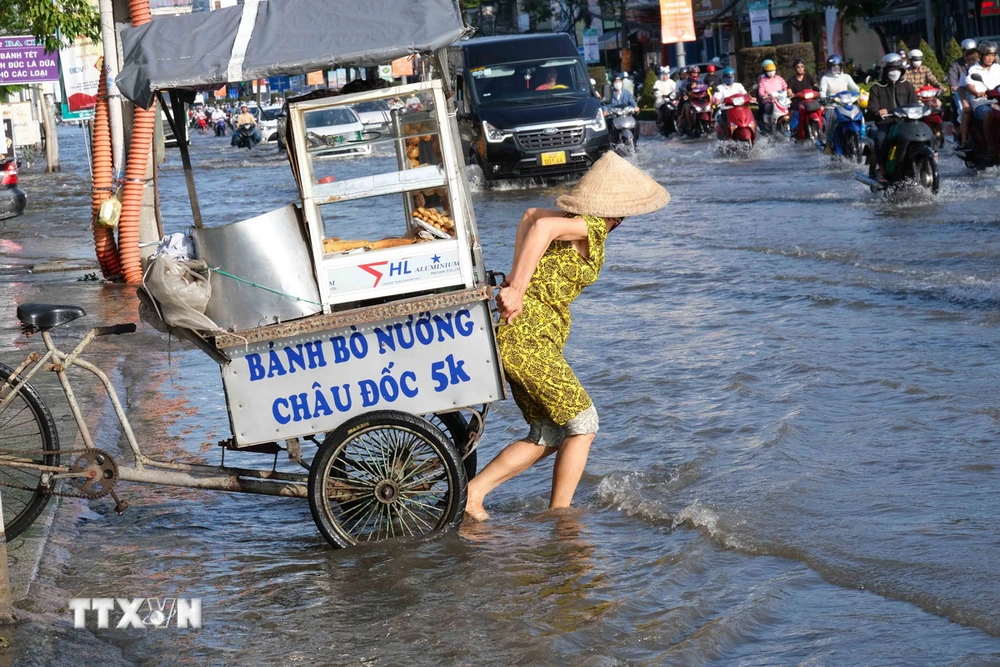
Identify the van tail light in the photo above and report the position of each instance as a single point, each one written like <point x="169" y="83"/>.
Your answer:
<point x="9" y="174"/>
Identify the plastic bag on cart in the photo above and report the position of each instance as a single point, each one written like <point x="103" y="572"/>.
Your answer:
<point x="180" y="289"/>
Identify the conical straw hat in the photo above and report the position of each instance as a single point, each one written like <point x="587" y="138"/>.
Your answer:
<point x="614" y="188"/>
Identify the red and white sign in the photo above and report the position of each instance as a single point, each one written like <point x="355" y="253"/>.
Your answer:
<point x="81" y="74"/>
<point x="389" y="274"/>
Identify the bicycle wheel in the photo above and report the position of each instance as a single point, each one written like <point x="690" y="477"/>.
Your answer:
<point x="453" y="425"/>
<point x="383" y="475"/>
<point x="25" y="425"/>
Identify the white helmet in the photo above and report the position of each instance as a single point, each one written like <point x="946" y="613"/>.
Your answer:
<point x="664" y="70"/>
<point x="968" y="45"/>
<point x="916" y="54"/>
<point x="892" y="60"/>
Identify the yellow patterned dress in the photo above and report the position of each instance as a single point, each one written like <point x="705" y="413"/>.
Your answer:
<point x="543" y="384"/>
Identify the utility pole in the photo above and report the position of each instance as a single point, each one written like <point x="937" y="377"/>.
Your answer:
<point x="148" y="228"/>
<point x="929" y="17"/>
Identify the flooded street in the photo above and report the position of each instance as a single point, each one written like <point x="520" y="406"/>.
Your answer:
<point x="798" y="387"/>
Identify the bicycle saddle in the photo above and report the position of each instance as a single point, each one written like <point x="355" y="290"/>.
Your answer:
<point x="44" y="316"/>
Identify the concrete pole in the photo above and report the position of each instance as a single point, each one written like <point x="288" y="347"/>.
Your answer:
<point x="6" y="604"/>
<point x="109" y="42"/>
<point x="51" y="140"/>
<point x="148" y="228"/>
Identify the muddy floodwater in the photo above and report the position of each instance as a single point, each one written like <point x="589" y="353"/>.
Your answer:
<point x="798" y="463"/>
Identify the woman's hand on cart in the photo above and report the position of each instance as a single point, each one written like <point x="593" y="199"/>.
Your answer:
<point x="510" y="301"/>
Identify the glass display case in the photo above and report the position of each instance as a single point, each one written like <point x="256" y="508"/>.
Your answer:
<point x="401" y="223"/>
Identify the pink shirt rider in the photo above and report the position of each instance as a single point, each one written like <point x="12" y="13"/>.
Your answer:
<point x="767" y="87"/>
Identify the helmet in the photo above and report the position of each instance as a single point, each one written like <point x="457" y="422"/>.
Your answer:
<point x="916" y="54"/>
<point x="694" y="69"/>
<point x="892" y="60"/>
<point x="617" y="76"/>
<point x="664" y="70"/>
<point x="768" y="66"/>
<point x="986" y="46"/>
<point x="682" y="72"/>
<point x="968" y="45"/>
<point x="835" y="61"/>
<point x="711" y="69"/>
<point x="625" y="75"/>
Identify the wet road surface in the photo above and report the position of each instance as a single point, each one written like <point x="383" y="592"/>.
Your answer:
<point x="797" y="462"/>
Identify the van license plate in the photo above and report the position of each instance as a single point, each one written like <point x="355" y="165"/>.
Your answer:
<point x="549" y="159"/>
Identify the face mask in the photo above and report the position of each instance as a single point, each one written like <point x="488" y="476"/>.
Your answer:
<point x="618" y="85"/>
<point x="916" y="63"/>
<point x="770" y="75"/>
<point x="835" y="70"/>
<point x="894" y="75"/>
<point x="729" y="80"/>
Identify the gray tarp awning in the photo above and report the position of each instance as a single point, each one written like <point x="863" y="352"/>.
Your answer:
<point x="287" y="37"/>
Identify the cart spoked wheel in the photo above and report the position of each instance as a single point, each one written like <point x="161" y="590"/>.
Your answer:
<point x="26" y="425"/>
<point x="383" y="475"/>
<point x="454" y="425"/>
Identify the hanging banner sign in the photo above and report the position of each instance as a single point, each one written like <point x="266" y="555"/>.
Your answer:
<point x="314" y="78"/>
<point x="23" y="62"/>
<point x="676" y="21"/>
<point x="591" y="51"/>
<point x="760" y="22"/>
<point x="81" y="74"/>
<point x="402" y="67"/>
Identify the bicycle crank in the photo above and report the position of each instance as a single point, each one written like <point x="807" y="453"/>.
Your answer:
<point x="93" y="473"/>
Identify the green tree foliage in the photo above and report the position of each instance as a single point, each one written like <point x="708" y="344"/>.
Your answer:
<point x="45" y="20"/>
<point x="646" y="99"/>
<point x="786" y="54"/>
<point x="952" y="52"/>
<point x="932" y="62"/>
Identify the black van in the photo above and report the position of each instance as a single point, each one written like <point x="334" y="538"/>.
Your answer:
<point x="526" y="106"/>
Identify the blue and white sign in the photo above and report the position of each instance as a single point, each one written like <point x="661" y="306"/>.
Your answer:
<point x="425" y="263"/>
<point x="422" y="363"/>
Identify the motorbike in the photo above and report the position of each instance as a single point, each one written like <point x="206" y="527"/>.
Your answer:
<point x="849" y="137"/>
<point x="780" y="118"/>
<point x="623" y="129"/>
<point x="735" y="123"/>
<point x="667" y="114"/>
<point x="978" y="156"/>
<point x="245" y="136"/>
<point x="700" y="114"/>
<point x="220" y="127"/>
<point x="930" y="97"/>
<point x="910" y="156"/>
<point x="807" y="124"/>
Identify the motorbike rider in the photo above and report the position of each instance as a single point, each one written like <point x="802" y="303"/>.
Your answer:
<point x="800" y="81"/>
<point x="711" y="78"/>
<point x="890" y="92"/>
<point x="834" y="82"/>
<point x="662" y="89"/>
<point x="957" y="69"/>
<point x="245" y="118"/>
<point x="218" y="115"/>
<point x="769" y="83"/>
<point x="621" y="99"/>
<point x="729" y="86"/>
<point x="683" y="86"/>
<point x="920" y="74"/>
<point x="977" y="104"/>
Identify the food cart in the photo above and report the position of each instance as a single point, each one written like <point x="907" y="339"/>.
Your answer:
<point x="358" y="319"/>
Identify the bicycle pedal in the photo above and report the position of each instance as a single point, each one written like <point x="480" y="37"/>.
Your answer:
<point x="120" y="505"/>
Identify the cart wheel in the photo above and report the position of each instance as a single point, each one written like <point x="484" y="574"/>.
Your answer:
<point x="386" y="474"/>
<point x="454" y="425"/>
<point x="25" y="424"/>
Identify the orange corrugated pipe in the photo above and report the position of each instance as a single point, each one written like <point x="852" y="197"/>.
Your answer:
<point x="104" y="237"/>
<point x="135" y="172"/>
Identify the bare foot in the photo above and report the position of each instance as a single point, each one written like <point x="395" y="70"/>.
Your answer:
<point x="476" y="514"/>
<point x="474" y="506"/>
